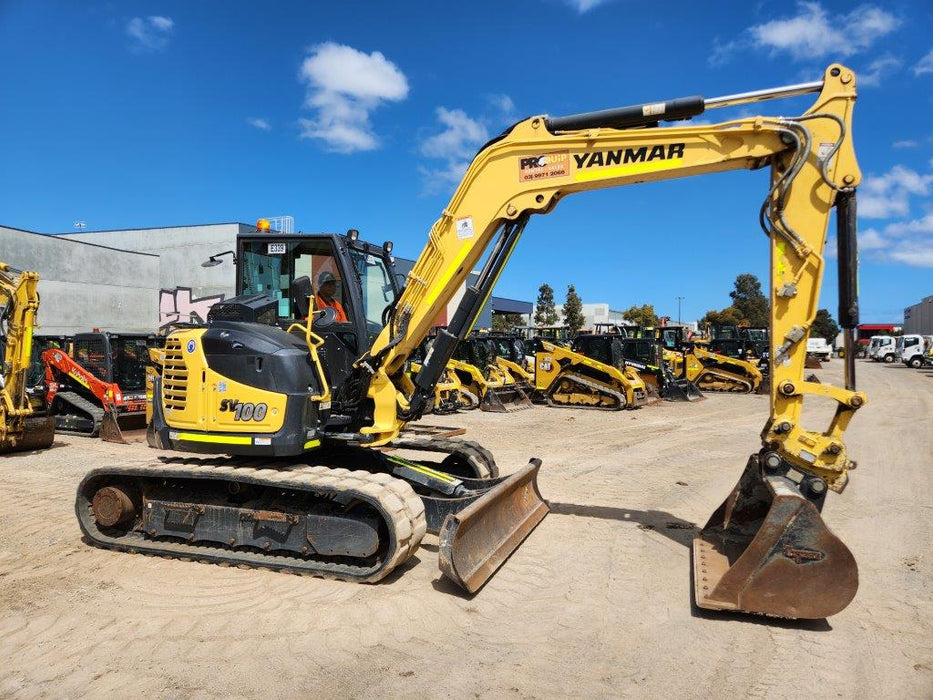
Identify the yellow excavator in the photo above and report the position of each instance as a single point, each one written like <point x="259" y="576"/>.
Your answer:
<point x="287" y="412"/>
<point x="21" y="428"/>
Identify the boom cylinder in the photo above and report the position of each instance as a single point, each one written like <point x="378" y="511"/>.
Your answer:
<point x="469" y="308"/>
<point x="847" y="256"/>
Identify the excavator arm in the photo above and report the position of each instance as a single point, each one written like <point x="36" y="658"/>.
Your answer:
<point x="19" y="302"/>
<point x="766" y="549"/>
<point x="539" y="161"/>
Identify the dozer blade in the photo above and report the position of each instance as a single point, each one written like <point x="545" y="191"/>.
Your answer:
<point x="767" y="551"/>
<point x="39" y="434"/>
<point x="110" y="429"/>
<point x="505" y="399"/>
<point x="476" y="541"/>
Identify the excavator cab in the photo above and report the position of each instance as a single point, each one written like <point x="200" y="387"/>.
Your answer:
<point x="350" y="282"/>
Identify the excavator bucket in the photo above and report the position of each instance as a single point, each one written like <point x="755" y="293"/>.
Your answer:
<point x="39" y="434"/>
<point x="110" y="428"/>
<point x="683" y="390"/>
<point x="505" y="399"/>
<point x="767" y="551"/>
<point x="679" y="388"/>
<point x="475" y="541"/>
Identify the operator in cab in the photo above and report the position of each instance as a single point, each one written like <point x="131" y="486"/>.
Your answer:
<point x="326" y="289"/>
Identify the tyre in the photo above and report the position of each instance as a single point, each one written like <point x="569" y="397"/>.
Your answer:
<point x="915" y="362"/>
<point x="888" y="359"/>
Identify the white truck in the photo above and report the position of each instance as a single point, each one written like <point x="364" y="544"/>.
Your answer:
<point x="911" y="348"/>
<point x="820" y="349"/>
<point x="882" y="348"/>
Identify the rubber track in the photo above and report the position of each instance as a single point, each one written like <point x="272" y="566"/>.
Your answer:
<point x="724" y="375"/>
<point x="82" y="404"/>
<point x="397" y="502"/>
<point x="599" y="386"/>
<point x="481" y="459"/>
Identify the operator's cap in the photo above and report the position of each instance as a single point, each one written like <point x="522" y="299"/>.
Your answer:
<point x="325" y="277"/>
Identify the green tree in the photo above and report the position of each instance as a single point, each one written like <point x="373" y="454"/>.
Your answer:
<point x="729" y="316"/>
<point x="824" y="326"/>
<point x="545" y="315"/>
<point x="573" y="310"/>
<point x="748" y="300"/>
<point x="643" y="315"/>
<point x="506" y="322"/>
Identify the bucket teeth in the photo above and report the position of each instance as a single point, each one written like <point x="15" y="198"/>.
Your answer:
<point x="767" y="551"/>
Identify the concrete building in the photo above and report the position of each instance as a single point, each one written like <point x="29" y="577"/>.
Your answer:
<point x="919" y="317"/>
<point x="595" y="313"/>
<point x="146" y="278"/>
<point x="83" y="285"/>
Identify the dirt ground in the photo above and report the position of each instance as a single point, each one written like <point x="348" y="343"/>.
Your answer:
<point x="596" y="603"/>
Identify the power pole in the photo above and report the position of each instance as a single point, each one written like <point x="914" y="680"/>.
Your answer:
<point x="679" y="299"/>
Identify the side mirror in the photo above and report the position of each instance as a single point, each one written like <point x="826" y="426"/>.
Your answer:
<point x="300" y="291"/>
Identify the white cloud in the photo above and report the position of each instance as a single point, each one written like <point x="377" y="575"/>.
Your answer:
<point x="149" y="33"/>
<point x="925" y="64"/>
<point x="455" y="145"/>
<point x="261" y="124"/>
<point x="909" y="241"/>
<point x="582" y="6"/>
<point x="344" y="86"/>
<point x="504" y="104"/>
<point x="888" y="195"/>
<point x="906" y="143"/>
<point x="877" y="69"/>
<point x="813" y="33"/>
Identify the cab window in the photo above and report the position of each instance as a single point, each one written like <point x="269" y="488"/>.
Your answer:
<point x="270" y="267"/>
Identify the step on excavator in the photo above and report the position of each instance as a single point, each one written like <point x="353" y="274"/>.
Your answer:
<point x="292" y="417"/>
<point x="99" y="389"/>
<point x="22" y="426"/>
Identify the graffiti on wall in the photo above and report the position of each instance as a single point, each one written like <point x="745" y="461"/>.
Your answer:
<point x="179" y="306"/>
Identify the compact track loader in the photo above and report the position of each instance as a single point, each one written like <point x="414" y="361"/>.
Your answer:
<point x="450" y="395"/>
<point x="478" y="370"/>
<point x="22" y="428"/>
<point x="100" y="388"/>
<point x="561" y="377"/>
<point x="643" y="355"/>
<point x="709" y="371"/>
<point x="566" y="378"/>
<point x="292" y="404"/>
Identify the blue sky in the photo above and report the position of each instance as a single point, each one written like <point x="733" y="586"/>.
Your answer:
<point x="362" y="114"/>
